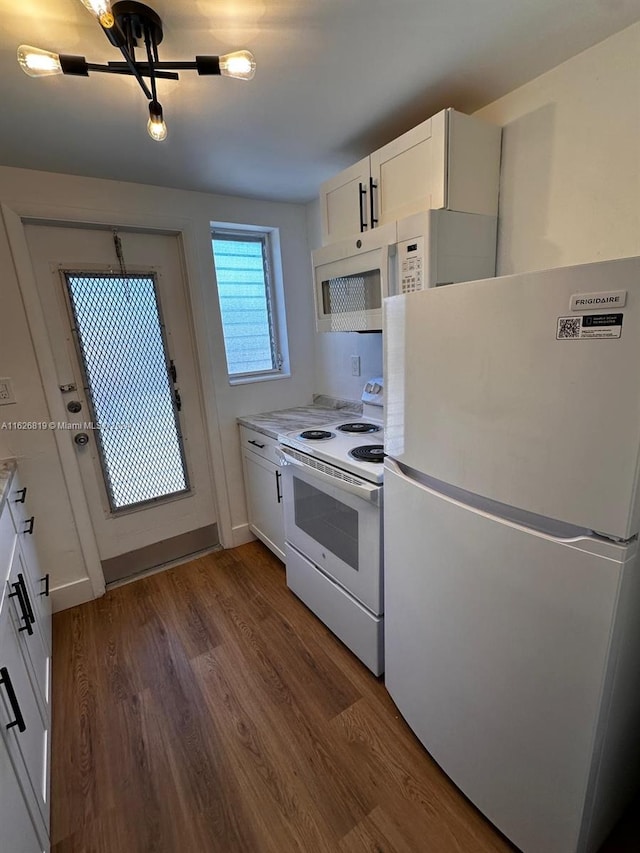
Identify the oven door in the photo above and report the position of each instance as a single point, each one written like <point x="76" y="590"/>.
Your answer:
<point x="335" y="523"/>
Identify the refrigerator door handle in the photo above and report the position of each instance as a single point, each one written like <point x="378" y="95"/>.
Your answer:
<point x="550" y="529"/>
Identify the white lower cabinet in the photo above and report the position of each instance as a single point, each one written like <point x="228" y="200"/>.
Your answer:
<point x="263" y="486"/>
<point x="25" y="693"/>
<point x="17" y="829"/>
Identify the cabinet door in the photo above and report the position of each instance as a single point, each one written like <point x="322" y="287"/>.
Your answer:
<point x="17" y="832"/>
<point x="28" y="748"/>
<point x="344" y="203"/>
<point x="263" y="485"/>
<point x="409" y="173"/>
<point x="25" y="525"/>
<point x="32" y="646"/>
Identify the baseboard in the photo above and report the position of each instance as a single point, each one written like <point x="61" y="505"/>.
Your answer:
<point x="242" y="535"/>
<point x="70" y="594"/>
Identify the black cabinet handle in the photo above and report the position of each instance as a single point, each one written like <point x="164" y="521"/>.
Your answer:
<point x="255" y="443"/>
<point x="278" y="492"/>
<point x="29" y="528"/>
<point x="46" y="585"/>
<point x="5" y="679"/>
<point x="26" y="599"/>
<point x="372" y="186"/>
<point x="363" y="192"/>
<point x="23" y="495"/>
<point x="17" y="593"/>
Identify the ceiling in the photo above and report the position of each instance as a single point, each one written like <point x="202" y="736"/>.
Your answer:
<point x="335" y="79"/>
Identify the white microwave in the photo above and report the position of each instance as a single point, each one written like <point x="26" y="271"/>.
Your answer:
<point x="352" y="277"/>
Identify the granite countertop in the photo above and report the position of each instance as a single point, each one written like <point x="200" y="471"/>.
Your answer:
<point x="324" y="410"/>
<point x="7" y="470"/>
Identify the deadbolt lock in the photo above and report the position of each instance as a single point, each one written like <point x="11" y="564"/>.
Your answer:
<point x="81" y="439"/>
<point x="74" y="406"/>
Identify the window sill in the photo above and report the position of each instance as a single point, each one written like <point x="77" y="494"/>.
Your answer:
<point x="267" y="377"/>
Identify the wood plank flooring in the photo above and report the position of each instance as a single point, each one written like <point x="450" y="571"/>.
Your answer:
<point x="205" y="709"/>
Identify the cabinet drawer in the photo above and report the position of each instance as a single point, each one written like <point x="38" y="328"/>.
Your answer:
<point x="18" y="504"/>
<point x="257" y="442"/>
<point x="25" y="524"/>
<point x="32" y="644"/>
<point x="29" y="748"/>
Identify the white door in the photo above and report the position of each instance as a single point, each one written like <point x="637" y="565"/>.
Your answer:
<point x="120" y="331"/>
<point x="497" y="640"/>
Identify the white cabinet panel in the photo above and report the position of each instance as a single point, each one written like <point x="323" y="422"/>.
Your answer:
<point x="25" y="525"/>
<point x="344" y="202"/>
<point x="410" y="172"/>
<point x="30" y="746"/>
<point x="17" y="832"/>
<point x="263" y="486"/>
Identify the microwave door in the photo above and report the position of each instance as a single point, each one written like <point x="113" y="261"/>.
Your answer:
<point x="349" y="292"/>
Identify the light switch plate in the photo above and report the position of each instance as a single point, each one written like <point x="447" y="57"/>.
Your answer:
<point x="6" y="392"/>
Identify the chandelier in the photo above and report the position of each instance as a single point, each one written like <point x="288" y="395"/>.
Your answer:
<point x="132" y="26"/>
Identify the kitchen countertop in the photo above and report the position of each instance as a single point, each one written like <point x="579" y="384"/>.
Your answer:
<point x="287" y="420"/>
<point x="7" y="470"/>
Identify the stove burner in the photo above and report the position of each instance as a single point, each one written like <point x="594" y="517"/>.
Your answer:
<point x="359" y="426"/>
<point x="368" y="453"/>
<point x="316" y="434"/>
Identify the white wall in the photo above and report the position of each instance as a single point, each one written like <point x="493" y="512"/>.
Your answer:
<point x="570" y="184"/>
<point x="75" y="198"/>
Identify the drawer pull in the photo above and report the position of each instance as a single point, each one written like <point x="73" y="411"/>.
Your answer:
<point x="23" y="495"/>
<point x="256" y="443"/>
<point x="5" y="679"/>
<point x="278" y="492"/>
<point x="17" y="593"/>
<point x="26" y="599"/>
<point x="45" y="580"/>
<point x="29" y="528"/>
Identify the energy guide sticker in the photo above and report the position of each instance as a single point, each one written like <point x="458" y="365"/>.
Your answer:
<point x="589" y="327"/>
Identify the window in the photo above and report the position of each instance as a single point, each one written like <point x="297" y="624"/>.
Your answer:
<point x="248" y="303"/>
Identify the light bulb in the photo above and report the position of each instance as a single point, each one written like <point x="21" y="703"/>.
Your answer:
<point x="240" y="65"/>
<point x="156" y="127"/>
<point x="38" y="63"/>
<point x="102" y="11"/>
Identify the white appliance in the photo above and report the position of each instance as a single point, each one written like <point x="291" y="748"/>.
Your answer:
<point x="437" y="247"/>
<point x="512" y="595"/>
<point x="332" y="503"/>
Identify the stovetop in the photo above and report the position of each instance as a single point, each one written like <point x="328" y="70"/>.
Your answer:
<point x="334" y="445"/>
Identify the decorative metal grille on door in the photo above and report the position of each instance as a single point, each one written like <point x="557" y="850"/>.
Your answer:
<point x="129" y="386"/>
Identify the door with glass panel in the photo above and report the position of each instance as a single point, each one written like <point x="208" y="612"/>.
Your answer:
<point x="119" y="323"/>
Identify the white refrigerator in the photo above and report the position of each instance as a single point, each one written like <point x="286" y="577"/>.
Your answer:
<point x="512" y="568"/>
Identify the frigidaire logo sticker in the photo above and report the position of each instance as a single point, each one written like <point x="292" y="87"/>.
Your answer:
<point x="609" y="299"/>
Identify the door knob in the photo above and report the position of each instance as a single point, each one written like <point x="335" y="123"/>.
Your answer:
<point x="81" y="439"/>
<point x="74" y="406"/>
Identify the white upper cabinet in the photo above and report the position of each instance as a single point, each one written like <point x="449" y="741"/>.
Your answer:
<point x="449" y="161"/>
<point x="344" y="200"/>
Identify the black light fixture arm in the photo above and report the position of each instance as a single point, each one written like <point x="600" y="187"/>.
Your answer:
<point x="131" y="26"/>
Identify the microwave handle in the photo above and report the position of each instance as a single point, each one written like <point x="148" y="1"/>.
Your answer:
<point x="362" y="490"/>
<point x="362" y="197"/>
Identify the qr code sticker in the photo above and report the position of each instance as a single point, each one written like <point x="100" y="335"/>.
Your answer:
<point x="569" y="327"/>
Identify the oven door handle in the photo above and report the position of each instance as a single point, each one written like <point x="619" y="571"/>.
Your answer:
<point x="363" y="490"/>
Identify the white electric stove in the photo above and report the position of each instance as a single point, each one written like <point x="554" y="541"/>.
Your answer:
<point x="332" y="499"/>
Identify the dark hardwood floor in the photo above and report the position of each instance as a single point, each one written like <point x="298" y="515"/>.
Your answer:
<point x="205" y="709"/>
